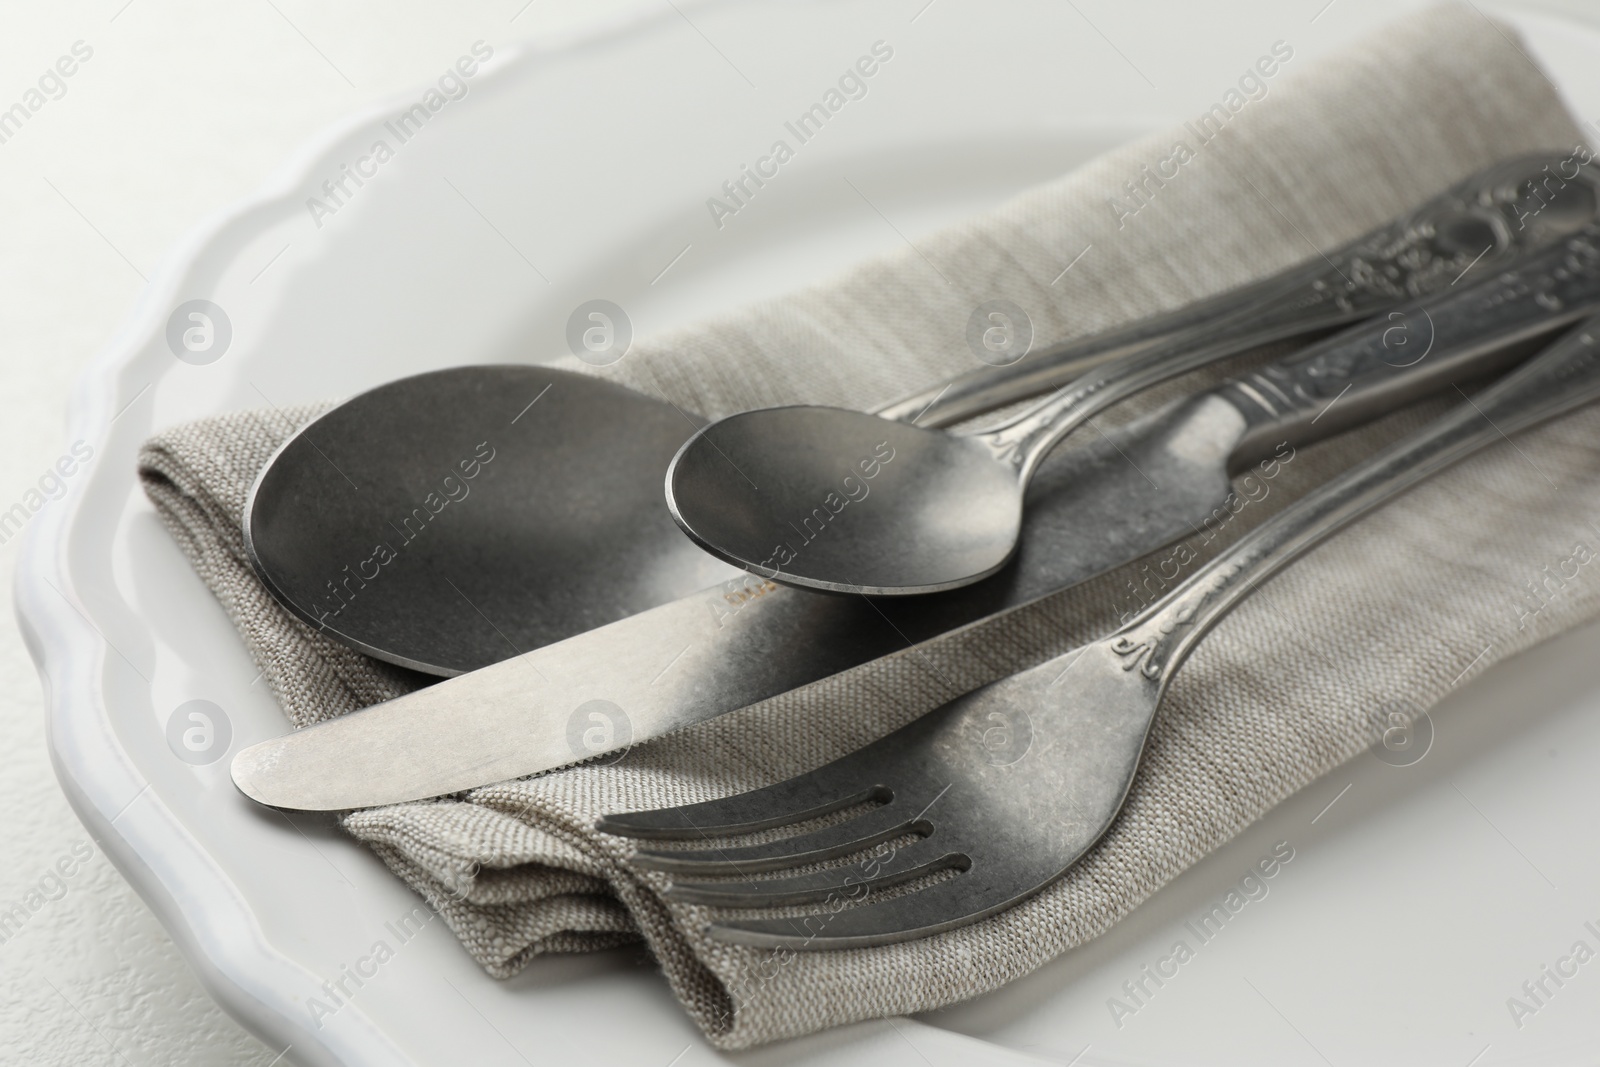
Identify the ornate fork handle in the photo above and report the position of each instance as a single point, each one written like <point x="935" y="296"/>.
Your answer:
<point x="1563" y="378"/>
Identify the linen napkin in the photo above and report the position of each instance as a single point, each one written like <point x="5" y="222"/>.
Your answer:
<point x="1384" y="619"/>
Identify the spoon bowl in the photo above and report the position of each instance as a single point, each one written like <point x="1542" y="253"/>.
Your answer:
<point x="845" y="501"/>
<point x="449" y="520"/>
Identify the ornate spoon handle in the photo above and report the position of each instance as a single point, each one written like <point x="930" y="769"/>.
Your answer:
<point x="1492" y="221"/>
<point x="1497" y="214"/>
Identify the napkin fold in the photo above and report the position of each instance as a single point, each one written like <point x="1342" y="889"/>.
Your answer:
<point x="1381" y="621"/>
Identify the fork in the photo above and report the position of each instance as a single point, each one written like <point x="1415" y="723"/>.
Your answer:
<point x="998" y="817"/>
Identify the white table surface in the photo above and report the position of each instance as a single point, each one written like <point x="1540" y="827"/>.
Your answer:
<point x="182" y="109"/>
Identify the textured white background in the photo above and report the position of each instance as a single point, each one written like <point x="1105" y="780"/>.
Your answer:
<point x="181" y="111"/>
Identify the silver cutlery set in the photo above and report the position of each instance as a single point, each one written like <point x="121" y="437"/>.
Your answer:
<point x="503" y="526"/>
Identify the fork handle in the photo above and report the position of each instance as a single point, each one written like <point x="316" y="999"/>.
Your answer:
<point x="1564" y="377"/>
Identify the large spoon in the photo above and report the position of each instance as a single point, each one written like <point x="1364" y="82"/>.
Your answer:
<point x="833" y="499"/>
<point x="453" y="519"/>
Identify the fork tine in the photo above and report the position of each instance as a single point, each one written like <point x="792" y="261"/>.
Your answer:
<point x="844" y="883"/>
<point x="868" y="829"/>
<point x="806" y="797"/>
<point x="960" y="900"/>
<point x="847" y="781"/>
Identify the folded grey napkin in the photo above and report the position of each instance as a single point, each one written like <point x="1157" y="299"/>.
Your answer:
<point x="1381" y="620"/>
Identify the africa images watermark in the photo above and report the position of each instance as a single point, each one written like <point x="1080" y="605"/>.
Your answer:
<point x="1537" y="992"/>
<point x="51" y="485"/>
<point x="999" y="333"/>
<point x="1552" y="581"/>
<point x="1252" y="86"/>
<point x="51" y="85"/>
<point x="852" y="490"/>
<point x="199" y="732"/>
<point x="337" y="992"/>
<point x="48" y="888"/>
<point x="737" y="592"/>
<point x="599" y="727"/>
<point x="452" y="85"/>
<point x="1149" y="585"/>
<point x="738" y="191"/>
<point x="454" y="488"/>
<point x="599" y="332"/>
<point x="855" y="890"/>
<point x="1546" y="190"/>
<point x="1138" y="991"/>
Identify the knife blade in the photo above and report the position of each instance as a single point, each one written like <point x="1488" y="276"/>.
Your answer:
<point x="1091" y="509"/>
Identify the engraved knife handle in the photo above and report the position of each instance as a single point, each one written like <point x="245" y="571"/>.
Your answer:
<point x="1564" y="377"/>
<point x="1482" y="223"/>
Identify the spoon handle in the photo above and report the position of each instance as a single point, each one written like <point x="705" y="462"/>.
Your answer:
<point x="989" y="388"/>
<point x="1489" y="222"/>
<point x="1562" y="378"/>
<point x="1515" y="205"/>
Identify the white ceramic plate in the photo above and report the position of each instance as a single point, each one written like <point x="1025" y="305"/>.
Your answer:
<point x="1413" y="907"/>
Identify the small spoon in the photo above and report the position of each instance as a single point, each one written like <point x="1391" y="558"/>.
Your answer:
<point x="833" y="499"/>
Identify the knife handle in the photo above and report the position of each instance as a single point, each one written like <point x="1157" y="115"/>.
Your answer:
<point x="1415" y="350"/>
